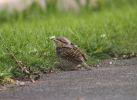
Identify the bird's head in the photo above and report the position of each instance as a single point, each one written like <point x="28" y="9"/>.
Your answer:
<point x="60" y="41"/>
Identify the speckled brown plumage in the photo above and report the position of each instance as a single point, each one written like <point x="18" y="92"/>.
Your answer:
<point x="69" y="54"/>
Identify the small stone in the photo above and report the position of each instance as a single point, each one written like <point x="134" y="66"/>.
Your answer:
<point x="124" y="56"/>
<point x="115" y="58"/>
<point x="98" y="65"/>
<point x="20" y="83"/>
<point x="110" y="63"/>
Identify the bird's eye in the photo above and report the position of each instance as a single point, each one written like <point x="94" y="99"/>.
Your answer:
<point x="63" y="41"/>
<point x="72" y="44"/>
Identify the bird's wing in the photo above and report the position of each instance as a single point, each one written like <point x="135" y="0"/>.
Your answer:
<point x="81" y="53"/>
<point x="71" y="54"/>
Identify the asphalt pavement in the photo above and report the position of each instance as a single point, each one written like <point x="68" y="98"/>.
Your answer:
<point x="112" y="80"/>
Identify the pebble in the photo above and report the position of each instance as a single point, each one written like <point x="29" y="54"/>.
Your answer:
<point x="110" y="63"/>
<point x="20" y="83"/>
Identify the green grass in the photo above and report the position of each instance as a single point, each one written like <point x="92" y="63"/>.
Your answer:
<point x="101" y="35"/>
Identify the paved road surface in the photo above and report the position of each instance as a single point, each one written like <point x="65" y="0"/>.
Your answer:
<point x="117" y="81"/>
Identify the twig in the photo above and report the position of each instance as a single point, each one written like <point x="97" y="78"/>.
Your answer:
<point x="24" y="68"/>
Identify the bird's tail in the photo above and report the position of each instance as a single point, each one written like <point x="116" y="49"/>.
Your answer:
<point x="86" y="66"/>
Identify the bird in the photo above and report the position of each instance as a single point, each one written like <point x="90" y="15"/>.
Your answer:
<point x="70" y="56"/>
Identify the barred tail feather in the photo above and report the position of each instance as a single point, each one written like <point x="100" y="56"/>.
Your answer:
<point x="86" y="66"/>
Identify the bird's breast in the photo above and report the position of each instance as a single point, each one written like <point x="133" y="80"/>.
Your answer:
<point x="58" y="50"/>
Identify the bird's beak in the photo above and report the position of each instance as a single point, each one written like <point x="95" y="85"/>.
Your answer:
<point x="52" y="38"/>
